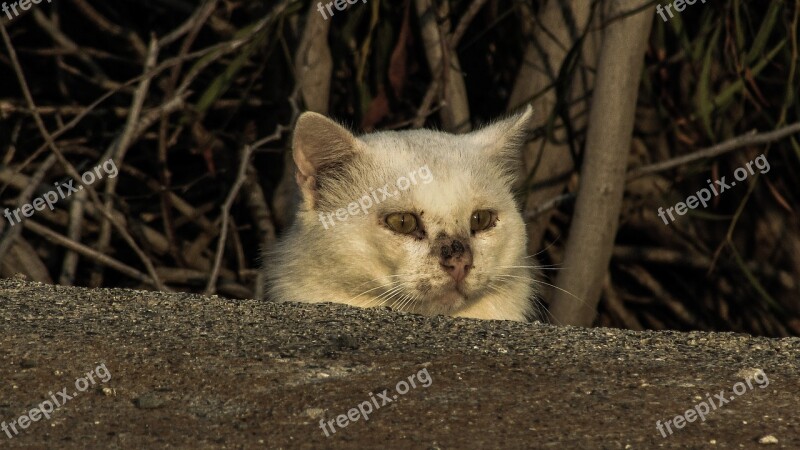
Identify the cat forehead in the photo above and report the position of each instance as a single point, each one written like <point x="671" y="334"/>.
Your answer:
<point x="415" y="141"/>
<point x="446" y="199"/>
<point x="443" y="190"/>
<point x="436" y="165"/>
<point x="414" y="148"/>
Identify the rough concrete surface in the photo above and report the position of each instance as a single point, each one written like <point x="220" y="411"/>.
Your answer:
<point x="193" y="372"/>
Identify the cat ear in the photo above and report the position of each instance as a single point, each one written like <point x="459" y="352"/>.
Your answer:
<point x="319" y="144"/>
<point x="504" y="139"/>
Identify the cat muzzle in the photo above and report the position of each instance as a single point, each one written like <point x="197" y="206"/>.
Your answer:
<point x="456" y="259"/>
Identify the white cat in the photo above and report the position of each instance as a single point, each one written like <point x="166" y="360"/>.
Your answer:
<point x="450" y="242"/>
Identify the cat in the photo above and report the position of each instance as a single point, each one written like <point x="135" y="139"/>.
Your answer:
<point x="422" y="221"/>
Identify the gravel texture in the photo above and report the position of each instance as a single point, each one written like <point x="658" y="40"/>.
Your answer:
<point x="188" y="371"/>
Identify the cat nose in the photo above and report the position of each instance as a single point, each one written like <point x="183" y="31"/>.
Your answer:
<point x="456" y="259"/>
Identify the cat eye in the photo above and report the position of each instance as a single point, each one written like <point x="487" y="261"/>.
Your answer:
<point x="481" y="220"/>
<point x="404" y="223"/>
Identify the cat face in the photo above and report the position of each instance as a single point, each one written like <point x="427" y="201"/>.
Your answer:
<point x="421" y="221"/>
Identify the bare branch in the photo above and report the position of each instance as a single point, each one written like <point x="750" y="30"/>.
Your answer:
<point x="751" y="138"/>
<point x="443" y="63"/>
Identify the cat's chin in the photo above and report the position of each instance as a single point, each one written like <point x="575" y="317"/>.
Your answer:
<point x="451" y="300"/>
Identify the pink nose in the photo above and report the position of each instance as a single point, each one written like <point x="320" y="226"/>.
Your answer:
<point x="458" y="270"/>
<point x="456" y="259"/>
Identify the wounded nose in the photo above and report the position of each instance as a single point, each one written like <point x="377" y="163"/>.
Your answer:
<point x="456" y="259"/>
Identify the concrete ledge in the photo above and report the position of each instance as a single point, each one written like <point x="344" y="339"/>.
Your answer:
<point x="189" y="371"/>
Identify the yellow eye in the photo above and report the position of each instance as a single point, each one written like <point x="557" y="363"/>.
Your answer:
<point x="481" y="220"/>
<point x="405" y="223"/>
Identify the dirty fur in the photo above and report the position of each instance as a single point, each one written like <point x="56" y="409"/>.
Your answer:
<point x="361" y="262"/>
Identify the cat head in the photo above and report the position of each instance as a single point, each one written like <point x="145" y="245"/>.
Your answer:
<point x="420" y="220"/>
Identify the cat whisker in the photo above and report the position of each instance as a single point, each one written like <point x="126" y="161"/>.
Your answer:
<point x="540" y="310"/>
<point x="407" y="302"/>
<point x="546" y="284"/>
<point x="543" y="250"/>
<point x="551" y="265"/>
<point x="508" y="275"/>
<point x="386" y="297"/>
<point x="385" y="276"/>
<point x="407" y="278"/>
<point x="403" y="302"/>
<point x="414" y="300"/>
<point x="398" y="287"/>
<point x="376" y="288"/>
<point x="496" y="289"/>
<point x="546" y="267"/>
